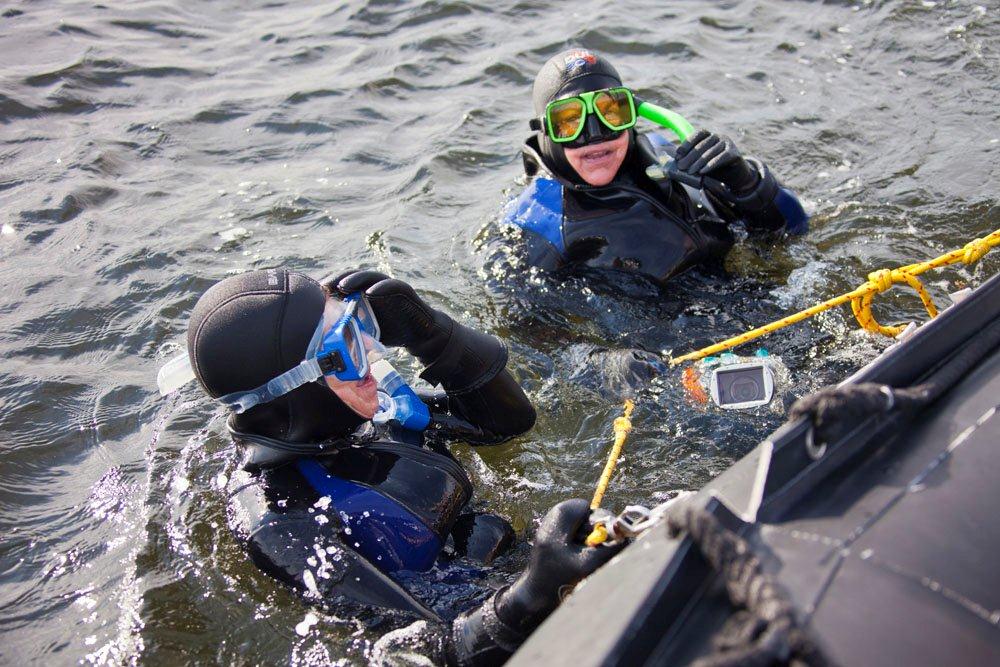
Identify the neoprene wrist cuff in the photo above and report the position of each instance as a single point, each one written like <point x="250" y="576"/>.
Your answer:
<point x="525" y="604"/>
<point x="761" y="196"/>
<point x="481" y="637"/>
<point x="742" y="178"/>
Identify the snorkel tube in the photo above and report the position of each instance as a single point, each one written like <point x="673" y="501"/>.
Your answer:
<point x="671" y="120"/>
<point x="677" y="124"/>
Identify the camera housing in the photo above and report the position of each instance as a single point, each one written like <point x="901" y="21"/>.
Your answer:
<point x="735" y="386"/>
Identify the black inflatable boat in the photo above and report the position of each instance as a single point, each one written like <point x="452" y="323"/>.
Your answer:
<point x="883" y="539"/>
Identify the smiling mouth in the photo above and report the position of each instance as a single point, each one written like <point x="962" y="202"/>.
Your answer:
<point x="597" y="155"/>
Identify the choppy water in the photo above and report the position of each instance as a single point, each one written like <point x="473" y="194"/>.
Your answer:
<point x="150" y="149"/>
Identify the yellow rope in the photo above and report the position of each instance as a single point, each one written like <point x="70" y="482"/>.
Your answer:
<point x="622" y="426"/>
<point x="597" y="536"/>
<point x="861" y="298"/>
<point x="861" y="303"/>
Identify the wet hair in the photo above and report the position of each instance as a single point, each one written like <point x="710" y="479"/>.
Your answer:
<point x="249" y="329"/>
<point x="565" y="74"/>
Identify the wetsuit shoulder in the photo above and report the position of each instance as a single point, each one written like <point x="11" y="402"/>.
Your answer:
<point x="539" y="211"/>
<point x="796" y="218"/>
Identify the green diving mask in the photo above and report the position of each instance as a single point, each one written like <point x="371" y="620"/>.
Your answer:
<point x="565" y="120"/>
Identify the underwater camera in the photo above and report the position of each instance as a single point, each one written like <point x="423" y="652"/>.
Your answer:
<point x="734" y="382"/>
<point x="741" y="385"/>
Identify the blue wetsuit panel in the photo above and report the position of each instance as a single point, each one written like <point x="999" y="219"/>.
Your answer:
<point x="386" y="533"/>
<point x="796" y="219"/>
<point x="539" y="210"/>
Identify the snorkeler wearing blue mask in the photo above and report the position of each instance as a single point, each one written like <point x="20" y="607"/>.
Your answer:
<point x="591" y="200"/>
<point x="346" y="481"/>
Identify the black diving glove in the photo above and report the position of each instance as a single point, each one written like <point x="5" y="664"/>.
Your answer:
<point x="560" y="559"/>
<point x="450" y="351"/>
<point x="716" y="159"/>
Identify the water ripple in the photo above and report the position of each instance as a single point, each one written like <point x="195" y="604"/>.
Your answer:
<point x="150" y="149"/>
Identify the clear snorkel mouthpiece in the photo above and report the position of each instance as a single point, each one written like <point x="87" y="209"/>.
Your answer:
<point x="174" y="374"/>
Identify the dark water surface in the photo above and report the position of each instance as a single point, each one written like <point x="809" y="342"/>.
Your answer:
<point x="150" y="149"/>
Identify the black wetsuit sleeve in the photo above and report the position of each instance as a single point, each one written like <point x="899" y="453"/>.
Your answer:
<point x="472" y="369"/>
<point x="497" y="407"/>
<point x="478" y="638"/>
<point x="500" y="408"/>
<point x="768" y="207"/>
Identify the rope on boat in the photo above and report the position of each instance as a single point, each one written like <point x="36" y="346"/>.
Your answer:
<point x="767" y="632"/>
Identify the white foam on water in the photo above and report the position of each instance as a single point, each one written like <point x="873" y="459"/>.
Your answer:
<point x="302" y="629"/>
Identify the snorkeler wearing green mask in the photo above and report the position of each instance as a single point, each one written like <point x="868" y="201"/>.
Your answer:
<point x="593" y="199"/>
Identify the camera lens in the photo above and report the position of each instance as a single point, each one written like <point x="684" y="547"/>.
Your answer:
<point x="745" y="389"/>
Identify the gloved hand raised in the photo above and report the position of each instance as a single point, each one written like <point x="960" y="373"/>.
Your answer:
<point x="451" y="351"/>
<point x="559" y="560"/>
<point x="715" y="156"/>
<point x="404" y="319"/>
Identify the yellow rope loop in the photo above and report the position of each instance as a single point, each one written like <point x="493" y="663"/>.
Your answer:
<point x="878" y="282"/>
<point x="974" y="250"/>
<point x="597" y="536"/>
<point x="861" y="298"/>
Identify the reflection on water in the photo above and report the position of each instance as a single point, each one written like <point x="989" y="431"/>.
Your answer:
<point x="151" y="149"/>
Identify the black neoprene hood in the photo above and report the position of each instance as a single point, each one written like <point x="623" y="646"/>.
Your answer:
<point x="570" y="72"/>
<point x="249" y="329"/>
<point x="565" y="74"/>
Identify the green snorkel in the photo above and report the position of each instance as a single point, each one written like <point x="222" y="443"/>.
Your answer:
<point x="677" y="124"/>
<point x="671" y="120"/>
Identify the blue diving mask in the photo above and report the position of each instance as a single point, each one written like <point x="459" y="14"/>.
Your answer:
<point x="344" y="346"/>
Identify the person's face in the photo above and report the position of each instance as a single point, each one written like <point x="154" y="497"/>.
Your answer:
<point x="359" y="395"/>
<point x="597" y="164"/>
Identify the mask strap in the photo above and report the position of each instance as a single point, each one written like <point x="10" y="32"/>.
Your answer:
<point x="307" y="371"/>
<point x="304" y="373"/>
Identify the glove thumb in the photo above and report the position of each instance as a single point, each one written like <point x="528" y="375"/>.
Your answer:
<point x="358" y="281"/>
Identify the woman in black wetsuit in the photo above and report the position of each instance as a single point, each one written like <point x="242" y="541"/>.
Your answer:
<point x="340" y="488"/>
<point x="591" y="200"/>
